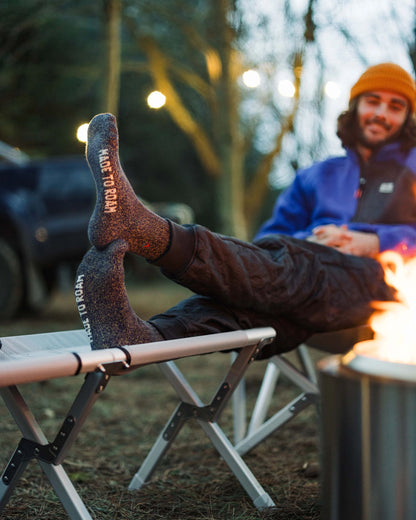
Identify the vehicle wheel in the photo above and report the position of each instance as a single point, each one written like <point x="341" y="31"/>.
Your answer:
<point x="11" y="281"/>
<point x="42" y="282"/>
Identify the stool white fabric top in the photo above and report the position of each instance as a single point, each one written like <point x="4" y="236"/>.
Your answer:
<point x="44" y="344"/>
<point x="39" y="357"/>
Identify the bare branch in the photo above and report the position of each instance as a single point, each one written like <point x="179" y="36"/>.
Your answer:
<point x="177" y="110"/>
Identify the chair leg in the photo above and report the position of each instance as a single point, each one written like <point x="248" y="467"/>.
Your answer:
<point x="271" y="425"/>
<point x="248" y="481"/>
<point x="306" y="363"/>
<point x="305" y="379"/>
<point x="7" y="484"/>
<point x="192" y="407"/>
<point x="239" y="409"/>
<point x="159" y="448"/>
<point x="59" y="480"/>
<point x="264" y="398"/>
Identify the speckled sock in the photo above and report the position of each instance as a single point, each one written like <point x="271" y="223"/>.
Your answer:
<point x="118" y="212"/>
<point x="102" y="300"/>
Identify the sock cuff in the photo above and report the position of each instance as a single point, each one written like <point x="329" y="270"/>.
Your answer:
<point x="180" y="249"/>
<point x="168" y="246"/>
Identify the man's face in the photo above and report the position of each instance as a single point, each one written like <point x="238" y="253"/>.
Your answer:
<point x="381" y="115"/>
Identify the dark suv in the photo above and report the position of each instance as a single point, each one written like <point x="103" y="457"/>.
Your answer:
<point x="45" y="207"/>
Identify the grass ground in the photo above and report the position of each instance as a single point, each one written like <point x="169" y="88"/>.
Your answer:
<point x="192" y="482"/>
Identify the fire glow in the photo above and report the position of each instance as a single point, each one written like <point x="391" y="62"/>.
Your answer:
<point x="394" y="323"/>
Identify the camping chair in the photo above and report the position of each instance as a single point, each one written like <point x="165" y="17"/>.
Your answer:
<point x="39" y="357"/>
<point x="303" y="376"/>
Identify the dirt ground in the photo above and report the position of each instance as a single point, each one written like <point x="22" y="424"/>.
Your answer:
<point x="192" y="481"/>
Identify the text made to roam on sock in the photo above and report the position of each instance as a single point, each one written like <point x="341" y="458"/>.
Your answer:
<point x="82" y="308"/>
<point x="107" y="178"/>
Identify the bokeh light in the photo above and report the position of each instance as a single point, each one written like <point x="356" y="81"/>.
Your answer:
<point x="251" y="78"/>
<point x="82" y="133"/>
<point x="286" y="88"/>
<point x="156" y="99"/>
<point x="332" y="89"/>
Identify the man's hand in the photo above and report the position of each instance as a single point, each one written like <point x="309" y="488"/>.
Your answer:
<point x="348" y="242"/>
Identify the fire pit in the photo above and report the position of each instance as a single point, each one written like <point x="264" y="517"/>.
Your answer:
<point x="368" y="426"/>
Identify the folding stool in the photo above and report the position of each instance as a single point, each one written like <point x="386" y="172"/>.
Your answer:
<point x="39" y="357"/>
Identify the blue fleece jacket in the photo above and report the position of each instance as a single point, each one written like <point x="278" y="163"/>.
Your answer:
<point x="377" y="197"/>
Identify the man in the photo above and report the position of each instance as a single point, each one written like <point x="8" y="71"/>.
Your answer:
<point x="312" y="266"/>
<point x="370" y="169"/>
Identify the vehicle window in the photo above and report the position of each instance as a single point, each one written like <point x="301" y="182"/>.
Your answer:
<point x="67" y="186"/>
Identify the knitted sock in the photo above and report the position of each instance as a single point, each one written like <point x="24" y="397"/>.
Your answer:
<point x="118" y="212"/>
<point x="102" y="300"/>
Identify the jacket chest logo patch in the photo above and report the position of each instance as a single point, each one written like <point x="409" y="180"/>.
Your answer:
<point x="386" y="187"/>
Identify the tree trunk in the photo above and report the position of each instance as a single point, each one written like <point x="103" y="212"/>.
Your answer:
<point x="112" y="91"/>
<point x="231" y="185"/>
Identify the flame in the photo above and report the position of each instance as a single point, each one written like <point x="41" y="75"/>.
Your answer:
<point x="394" y="323"/>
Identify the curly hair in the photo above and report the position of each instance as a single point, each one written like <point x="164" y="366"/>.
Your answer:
<point x="347" y="128"/>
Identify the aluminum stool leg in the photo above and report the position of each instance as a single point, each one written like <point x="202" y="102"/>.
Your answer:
<point x="264" y="398"/>
<point x="191" y="403"/>
<point x="56" y="474"/>
<point x="307" y="364"/>
<point x="239" y="409"/>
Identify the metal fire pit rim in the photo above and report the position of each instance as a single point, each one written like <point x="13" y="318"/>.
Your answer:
<point x="359" y="359"/>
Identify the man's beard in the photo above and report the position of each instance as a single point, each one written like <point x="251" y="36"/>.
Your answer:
<point x="371" y="145"/>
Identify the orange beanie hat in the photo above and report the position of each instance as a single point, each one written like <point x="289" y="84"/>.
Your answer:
<point x="386" y="76"/>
